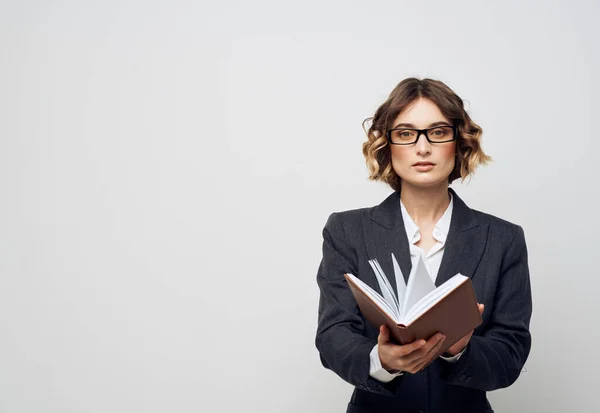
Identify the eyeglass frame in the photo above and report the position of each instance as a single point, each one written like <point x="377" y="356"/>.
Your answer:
<point x="424" y="132"/>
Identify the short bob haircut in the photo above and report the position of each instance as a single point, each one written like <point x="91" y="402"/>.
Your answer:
<point x="469" y="154"/>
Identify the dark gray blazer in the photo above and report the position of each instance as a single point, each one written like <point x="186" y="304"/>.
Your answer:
<point x="491" y="251"/>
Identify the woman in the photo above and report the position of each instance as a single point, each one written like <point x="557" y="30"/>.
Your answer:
<point x="421" y="139"/>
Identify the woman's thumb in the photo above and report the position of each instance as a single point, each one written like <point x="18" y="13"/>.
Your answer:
<point x="384" y="334"/>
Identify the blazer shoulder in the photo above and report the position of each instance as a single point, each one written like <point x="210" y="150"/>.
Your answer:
<point x="351" y="216"/>
<point x="348" y="221"/>
<point x="499" y="226"/>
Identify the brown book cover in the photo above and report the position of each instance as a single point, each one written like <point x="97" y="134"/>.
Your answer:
<point x="455" y="315"/>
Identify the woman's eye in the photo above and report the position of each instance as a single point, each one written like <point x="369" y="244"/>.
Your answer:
<point x="407" y="134"/>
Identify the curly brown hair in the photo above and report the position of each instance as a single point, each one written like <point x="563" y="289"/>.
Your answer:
<point x="469" y="154"/>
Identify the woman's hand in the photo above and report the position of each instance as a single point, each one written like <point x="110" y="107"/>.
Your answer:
<point x="412" y="357"/>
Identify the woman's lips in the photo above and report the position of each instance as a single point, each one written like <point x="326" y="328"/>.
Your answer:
<point x="423" y="166"/>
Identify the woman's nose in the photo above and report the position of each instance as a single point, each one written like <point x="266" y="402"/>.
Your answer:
<point x="423" y="146"/>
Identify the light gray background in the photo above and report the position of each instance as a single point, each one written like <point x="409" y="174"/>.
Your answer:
<point x="167" y="168"/>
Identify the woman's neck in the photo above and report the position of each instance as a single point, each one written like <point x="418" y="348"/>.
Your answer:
<point x="425" y="205"/>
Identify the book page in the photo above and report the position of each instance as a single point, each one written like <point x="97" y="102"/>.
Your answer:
<point x="386" y="288"/>
<point x="419" y="285"/>
<point x="432" y="298"/>
<point x="381" y="303"/>
<point x="400" y="284"/>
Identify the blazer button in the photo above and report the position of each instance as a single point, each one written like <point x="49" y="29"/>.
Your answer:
<point x="462" y="377"/>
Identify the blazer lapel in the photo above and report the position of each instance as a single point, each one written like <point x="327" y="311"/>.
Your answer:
<point x="385" y="234"/>
<point x="464" y="245"/>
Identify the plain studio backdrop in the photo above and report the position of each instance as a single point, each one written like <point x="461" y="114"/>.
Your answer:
<point x="167" y="169"/>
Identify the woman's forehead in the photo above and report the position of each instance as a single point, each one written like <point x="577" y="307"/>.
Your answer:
<point x="422" y="113"/>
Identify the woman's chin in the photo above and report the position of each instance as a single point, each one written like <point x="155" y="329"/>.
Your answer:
<point x="426" y="181"/>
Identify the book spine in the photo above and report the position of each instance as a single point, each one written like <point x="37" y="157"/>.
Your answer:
<point x="402" y="335"/>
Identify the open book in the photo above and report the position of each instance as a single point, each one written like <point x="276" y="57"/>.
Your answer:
<point x="420" y="309"/>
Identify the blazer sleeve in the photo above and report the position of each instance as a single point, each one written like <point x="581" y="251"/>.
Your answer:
<point x="495" y="358"/>
<point x="342" y="346"/>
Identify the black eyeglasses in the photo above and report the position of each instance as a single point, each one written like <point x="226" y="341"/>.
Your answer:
<point x="437" y="134"/>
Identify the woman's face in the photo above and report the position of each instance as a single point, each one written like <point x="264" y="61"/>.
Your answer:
<point x="423" y="164"/>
